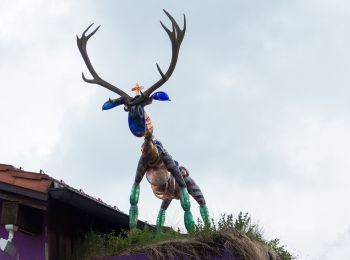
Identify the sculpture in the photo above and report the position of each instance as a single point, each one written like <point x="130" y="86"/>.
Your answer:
<point x="168" y="180"/>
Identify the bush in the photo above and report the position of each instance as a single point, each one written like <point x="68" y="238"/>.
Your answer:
<point x="101" y="245"/>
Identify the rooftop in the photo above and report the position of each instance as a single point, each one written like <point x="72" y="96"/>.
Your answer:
<point x="31" y="187"/>
<point x="30" y="180"/>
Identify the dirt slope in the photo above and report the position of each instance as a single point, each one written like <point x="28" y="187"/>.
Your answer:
<point x="224" y="244"/>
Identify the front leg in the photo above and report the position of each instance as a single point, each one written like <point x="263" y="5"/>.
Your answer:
<point x="184" y="197"/>
<point x="161" y="214"/>
<point x="135" y="193"/>
<point x="186" y="205"/>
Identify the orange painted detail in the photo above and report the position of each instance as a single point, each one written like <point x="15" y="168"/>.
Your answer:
<point x="30" y="180"/>
<point x="137" y="89"/>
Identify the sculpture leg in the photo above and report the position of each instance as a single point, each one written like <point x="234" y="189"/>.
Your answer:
<point x="184" y="197"/>
<point x="197" y="194"/>
<point x="134" y="212"/>
<point x="186" y="205"/>
<point x="161" y="214"/>
<point x="205" y="215"/>
<point x="135" y="193"/>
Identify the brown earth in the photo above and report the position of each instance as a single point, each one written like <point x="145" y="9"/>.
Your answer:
<point x="228" y="242"/>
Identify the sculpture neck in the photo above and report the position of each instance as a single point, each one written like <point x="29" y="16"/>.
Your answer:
<point x="149" y="149"/>
<point x="149" y="127"/>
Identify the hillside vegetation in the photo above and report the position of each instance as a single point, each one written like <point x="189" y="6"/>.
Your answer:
<point x="237" y="237"/>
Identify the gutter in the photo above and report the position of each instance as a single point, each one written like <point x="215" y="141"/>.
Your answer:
<point x="23" y="191"/>
<point x="78" y="200"/>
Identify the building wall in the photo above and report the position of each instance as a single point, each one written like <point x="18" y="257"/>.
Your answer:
<point x="67" y="225"/>
<point x="29" y="247"/>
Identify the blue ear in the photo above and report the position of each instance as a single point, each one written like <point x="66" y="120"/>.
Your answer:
<point x="112" y="103"/>
<point x="161" y="96"/>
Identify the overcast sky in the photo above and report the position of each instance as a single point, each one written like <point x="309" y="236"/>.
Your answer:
<point x="260" y="111"/>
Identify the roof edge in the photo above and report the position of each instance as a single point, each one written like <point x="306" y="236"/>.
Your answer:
<point x="78" y="200"/>
<point x="23" y="191"/>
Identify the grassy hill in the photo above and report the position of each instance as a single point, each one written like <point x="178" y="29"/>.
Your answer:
<point x="238" y="238"/>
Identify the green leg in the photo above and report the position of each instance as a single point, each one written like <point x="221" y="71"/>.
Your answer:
<point x="133" y="216"/>
<point x="186" y="205"/>
<point x="205" y="215"/>
<point x="134" y="212"/>
<point x="161" y="214"/>
<point x="160" y="219"/>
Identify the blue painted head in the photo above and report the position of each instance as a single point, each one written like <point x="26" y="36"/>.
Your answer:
<point x="136" y="112"/>
<point x="137" y="120"/>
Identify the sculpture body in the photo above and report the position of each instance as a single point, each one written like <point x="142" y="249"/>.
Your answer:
<point x="168" y="179"/>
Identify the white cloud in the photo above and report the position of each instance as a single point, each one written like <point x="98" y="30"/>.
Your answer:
<point x="259" y="111"/>
<point x="40" y="76"/>
<point x="339" y="248"/>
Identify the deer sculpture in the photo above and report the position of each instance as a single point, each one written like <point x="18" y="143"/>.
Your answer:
<point x="168" y="179"/>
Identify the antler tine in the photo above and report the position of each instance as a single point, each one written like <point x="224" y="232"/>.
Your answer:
<point x="96" y="79"/>
<point x="92" y="33"/>
<point x="179" y="32"/>
<point x="176" y="36"/>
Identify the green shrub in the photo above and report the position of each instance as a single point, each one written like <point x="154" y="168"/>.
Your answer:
<point x="100" y="245"/>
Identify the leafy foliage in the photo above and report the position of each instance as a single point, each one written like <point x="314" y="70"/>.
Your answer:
<point x="100" y="245"/>
<point x="279" y="249"/>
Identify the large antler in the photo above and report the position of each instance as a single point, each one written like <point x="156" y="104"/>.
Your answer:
<point x="176" y="36"/>
<point x="96" y="78"/>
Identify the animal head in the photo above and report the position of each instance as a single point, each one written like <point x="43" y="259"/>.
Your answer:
<point x="135" y="105"/>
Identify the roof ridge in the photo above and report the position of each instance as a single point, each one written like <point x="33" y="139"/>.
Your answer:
<point x="6" y="167"/>
<point x="20" y="173"/>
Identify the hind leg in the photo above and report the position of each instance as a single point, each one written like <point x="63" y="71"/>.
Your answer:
<point x="161" y="214"/>
<point x="196" y="193"/>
